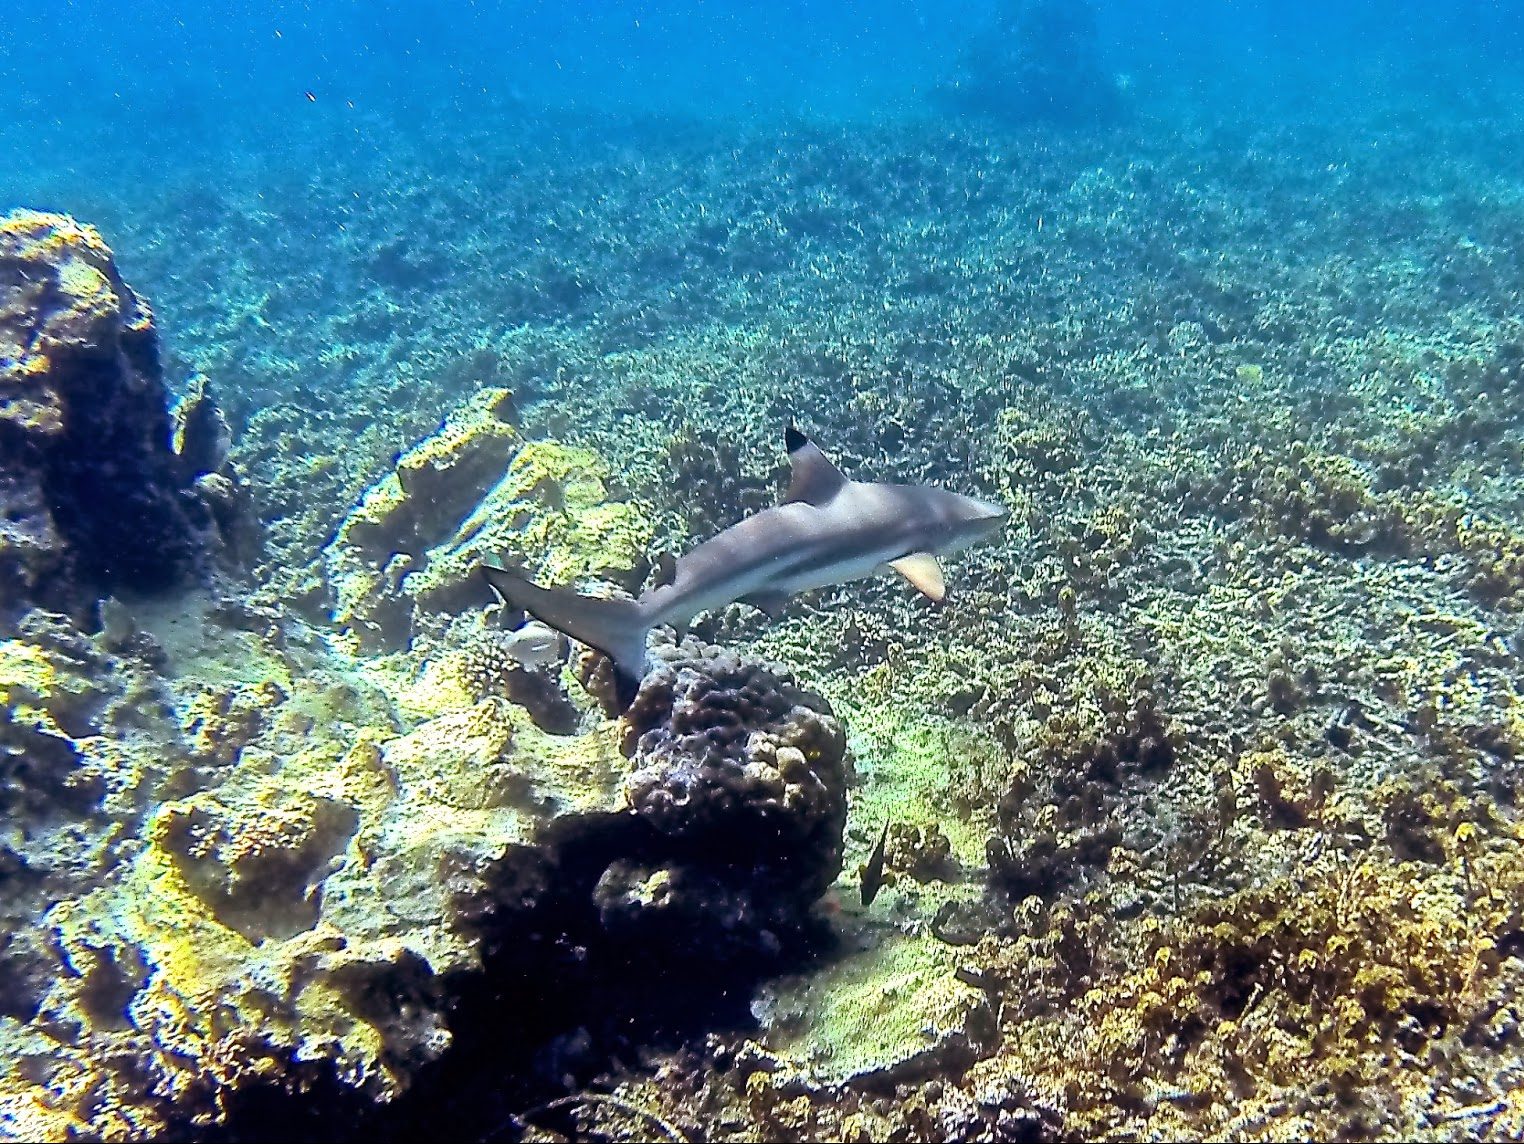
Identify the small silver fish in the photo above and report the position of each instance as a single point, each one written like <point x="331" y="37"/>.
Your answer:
<point x="536" y="645"/>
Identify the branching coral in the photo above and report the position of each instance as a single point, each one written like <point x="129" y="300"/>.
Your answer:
<point x="487" y="665"/>
<point x="1310" y="997"/>
<point x="1329" y="501"/>
<point x="1064" y="814"/>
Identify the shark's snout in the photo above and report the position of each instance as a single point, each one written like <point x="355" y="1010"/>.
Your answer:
<point x="984" y="517"/>
<point x="972" y="520"/>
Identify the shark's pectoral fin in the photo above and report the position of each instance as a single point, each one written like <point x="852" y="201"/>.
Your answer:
<point x="770" y="602"/>
<point x="924" y="574"/>
<point x="815" y="480"/>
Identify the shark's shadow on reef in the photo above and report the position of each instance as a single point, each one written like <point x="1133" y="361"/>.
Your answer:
<point x="560" y="1001"/>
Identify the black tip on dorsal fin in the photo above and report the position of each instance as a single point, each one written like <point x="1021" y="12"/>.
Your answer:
<point x="815" y="480"/>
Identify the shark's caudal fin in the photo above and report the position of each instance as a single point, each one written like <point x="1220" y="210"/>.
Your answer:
<point x="618" y="628"/>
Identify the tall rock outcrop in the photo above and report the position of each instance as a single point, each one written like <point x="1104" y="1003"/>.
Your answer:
<point x="93" y="498"/>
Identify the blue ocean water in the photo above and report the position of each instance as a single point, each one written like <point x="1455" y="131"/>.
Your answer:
<point x="162" y="73"/>
<point x="116" y="113"/>
<point x="99" y="103"/>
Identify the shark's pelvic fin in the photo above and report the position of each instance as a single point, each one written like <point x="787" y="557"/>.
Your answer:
<point x="924" y="574"/>
<point x="666" y="570"/>
<point x="618" y="628"/>
<point x="816" y="480"/>
<point x="770" y="602"/>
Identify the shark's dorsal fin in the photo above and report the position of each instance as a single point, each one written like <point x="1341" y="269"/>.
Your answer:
<point x="924" y="574"/>
<point x="815" y="480"/>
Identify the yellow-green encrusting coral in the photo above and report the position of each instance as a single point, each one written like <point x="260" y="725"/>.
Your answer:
<point x="26" y="676"/>
<point x="299" y="901"/>
<point x="474" y="491"/>
<point x="895" y="1011"/>
<point x="70" y="261"/>
<point x="549" y="512"/>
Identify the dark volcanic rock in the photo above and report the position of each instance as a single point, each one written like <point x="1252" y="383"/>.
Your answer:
<point x="92" y="499"/>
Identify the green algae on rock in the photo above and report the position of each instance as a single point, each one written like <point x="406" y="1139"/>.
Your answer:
<point x="303" y="898"/>
<point x="474" y="490"/>
<point x="310" y="907"/>
<point x="895" y="1012"/>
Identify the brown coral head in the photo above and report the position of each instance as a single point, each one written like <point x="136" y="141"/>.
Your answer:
<point x="737" y="756"/>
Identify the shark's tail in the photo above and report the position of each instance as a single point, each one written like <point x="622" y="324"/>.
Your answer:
<point x="618" y="628"/>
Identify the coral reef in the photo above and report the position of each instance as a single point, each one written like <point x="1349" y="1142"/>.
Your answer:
<point x="1308" y="999"/>
<point x="306" y="909"/>
<point x="243" y="870"/>
<point x="921" y="852"/>
<point x="703" y="458"/>
<point x="487" y="664"/>
<point x="1039" y="62"/>
<point x="410" y="511"/>
<point x="1054" y="828"/>
<point x="202" y="442"/>
<point x="1210" y="771"/>
<point x="77" y="758"/>
<point x="65" y="785"/>
<point x="91" y="497"/>
<point x="1331" y="501"/>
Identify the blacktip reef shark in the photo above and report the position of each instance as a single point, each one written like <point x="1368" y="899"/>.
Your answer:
<point x="826" y="530"/>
